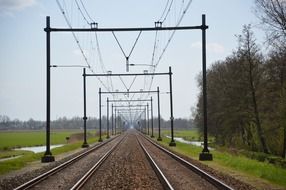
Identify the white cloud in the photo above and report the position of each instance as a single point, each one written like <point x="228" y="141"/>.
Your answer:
<point x="8" y="6"/>
<point x="211" y="47"/>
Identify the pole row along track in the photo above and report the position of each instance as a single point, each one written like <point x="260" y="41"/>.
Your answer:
<point x="66" y="173"/>
<point x="178" y="173"/>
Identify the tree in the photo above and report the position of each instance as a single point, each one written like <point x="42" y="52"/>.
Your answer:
<point x="248" y="52"/>
<point x="234" y="97"/>
<point x="4" y="119"/>
<point x="272" y="14"/>
<point x="276" y="83"/>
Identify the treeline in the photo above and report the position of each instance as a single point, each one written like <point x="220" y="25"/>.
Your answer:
<point x="247" y="90"/>
<point x="61" y="123"/>
<point x="77" y="123"/>
<point x="179" y="124"/>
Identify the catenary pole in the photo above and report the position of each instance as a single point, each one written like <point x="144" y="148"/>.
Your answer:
<point x="205" y="155"/>
<point x="48" y="157"/>
<point x="85" y="144"/>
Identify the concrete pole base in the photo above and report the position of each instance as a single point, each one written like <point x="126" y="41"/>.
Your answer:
<point x="206" y="156"/>
<point x="48" y="158"/>
<point x="172" y="143"/>
<point x="84" y="145"/>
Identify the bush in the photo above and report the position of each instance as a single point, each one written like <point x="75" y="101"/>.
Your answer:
<point x="276" y="161"/>
<point x="262" y="157"/>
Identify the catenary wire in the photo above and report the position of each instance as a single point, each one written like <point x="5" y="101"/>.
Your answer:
<point x="78" y="44"/>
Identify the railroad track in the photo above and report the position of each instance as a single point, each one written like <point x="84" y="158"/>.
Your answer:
<point x="136" y="162"/>
<point x="164" y="181"/>
<point x="154" y="157"/>
<point x="94" y="176"/>
<point x="119" y="155"/>
<point x="81" y="182"/>
<point x="41" y="178"/>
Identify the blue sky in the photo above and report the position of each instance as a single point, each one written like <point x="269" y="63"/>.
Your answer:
<point x="22" y="51"/>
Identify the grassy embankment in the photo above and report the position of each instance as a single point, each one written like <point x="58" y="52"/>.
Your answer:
<point x="17" y="139"/>
<point x="228" y="162"/>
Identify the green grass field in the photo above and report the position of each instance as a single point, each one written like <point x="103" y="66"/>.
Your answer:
<point x="189" y="135"/>
<point x="12" y="139"/>
<point x="225" y="161"/>
<point x="186" y="134"/>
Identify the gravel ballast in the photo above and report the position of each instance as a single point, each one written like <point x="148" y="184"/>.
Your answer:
<point x="126" y="168"/>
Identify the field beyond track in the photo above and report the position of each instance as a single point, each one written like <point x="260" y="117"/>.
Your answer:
<point x="9" y="140"/>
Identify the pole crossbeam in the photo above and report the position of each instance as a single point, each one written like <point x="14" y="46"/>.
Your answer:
<point x="49" y="29"/>
<point x="127" y="106"/>
<point x="128" y="110"/>
<point x="142" y="100"/>
<point x="127" y="92"/>
<point x="125" y="74"/>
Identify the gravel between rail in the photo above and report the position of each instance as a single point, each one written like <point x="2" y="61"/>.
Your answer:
<point x="126" y="168"/>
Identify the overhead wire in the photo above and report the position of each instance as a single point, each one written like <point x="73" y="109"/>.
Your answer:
<point x="161" y="20"/>
<point x="78" y="42"/>
<point x="86" y="11"/>
<point x="88" y="19"/>
<point x="78" y="7"/>
<point x="125" y="55"/>
<point x="75" y="37"/>
<point x="109" y="81"/>
<point x="164" y="10"/>
<point x="91" y="22"/>
<point x="169" y="10"/>
<point x="132" y="82"/>
<point x="169" y="40"/>
<point x="103" y="69"/>
<point x="173" y="33"/>
<point x="99" y="54"/>
<point x="123" y="82"/>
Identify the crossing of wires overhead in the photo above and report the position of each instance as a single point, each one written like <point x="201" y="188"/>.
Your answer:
<point x="106" y="86"/>
<point x="158" y="51"/>
<point x="168" y="41"/>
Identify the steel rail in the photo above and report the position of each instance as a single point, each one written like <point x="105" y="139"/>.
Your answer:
<point x="164" y="181"/>
<point x="80" y="183"/>
<point x="57" y="169"/>
<point x="216" y="182"/>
